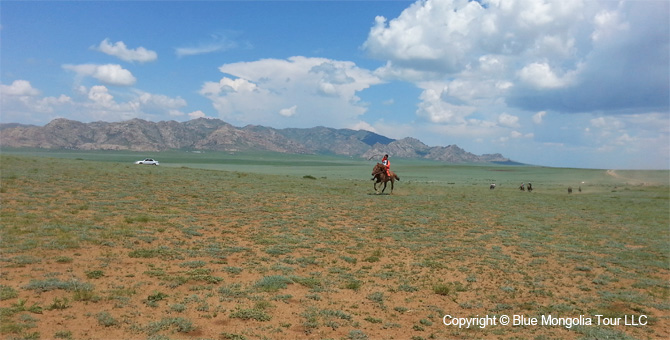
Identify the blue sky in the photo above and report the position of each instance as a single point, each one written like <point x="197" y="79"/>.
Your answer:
<point x="567" y="83"/>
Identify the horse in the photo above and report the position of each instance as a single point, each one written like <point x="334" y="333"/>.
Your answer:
<point x="530" y="187"/>
<point x="379" y="173"/>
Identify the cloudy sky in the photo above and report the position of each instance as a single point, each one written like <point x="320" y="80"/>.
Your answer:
<point x="568" y="83"/>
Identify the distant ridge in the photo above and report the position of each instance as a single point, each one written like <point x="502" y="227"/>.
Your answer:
<point x="215" y="134"/>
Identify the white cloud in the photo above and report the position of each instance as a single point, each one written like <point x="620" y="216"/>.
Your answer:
<point x="288" y="112"/>
<point x="540" y="75"/>
<point x="437" y="110"/>
<point x="108" y="74"/>
<point x="197" y="114"/>
<point x="361" y="125"/>
<point x="19" y="88"/>
<point x="189" y="51"/>
<point x="508" y="120"/>
<point x="567" y="56"/>
<point x="326" y="89"/>
<point x="101" y="97"/>
<point x="538" y="117"/>
<point x="215" y="43"/>
<point x="163" y="102"/>
<point x="122" y="52"/>
<point x="608" y="25"/>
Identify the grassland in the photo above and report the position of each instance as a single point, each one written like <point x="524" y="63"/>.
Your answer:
<point x="265" y="246"/>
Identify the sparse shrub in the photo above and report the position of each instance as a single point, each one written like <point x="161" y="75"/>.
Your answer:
<point x="273" y="283"/>
<point x="426" y="322"/>
<point x="63" y="335"/>
<point x="59" y="304"/>
<point x="178" y="307"/>
<point x="336" y="313"/>
<point x="377" y="297"/>
<point x="232" y="270"/>
<point x="353" y="284"/>
<point x="441" y="289"/>
<point x="372" y="320"/>
<point x="407" y="288"/>
<point x="193" y="264"/>
<point x="7" y="292"/>
<point x="400" y="309"/>
<point x="95" y="274"/>
<point x="309" y="282"/>
<point x="106" y="319"/>
<point x="63" y="259"/>
<point x="250" y="314"/>
<point x="152" y="300"/>
<point x="182" y="325"/>
<point x="357" y="334"/>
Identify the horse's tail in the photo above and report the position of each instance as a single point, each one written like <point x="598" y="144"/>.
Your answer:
<point x="394" y="175"/>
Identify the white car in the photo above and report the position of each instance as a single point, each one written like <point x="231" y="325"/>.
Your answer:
<point x="147" y="161"/>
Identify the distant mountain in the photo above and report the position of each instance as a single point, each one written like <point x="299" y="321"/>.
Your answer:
<point x="215" y="134"/>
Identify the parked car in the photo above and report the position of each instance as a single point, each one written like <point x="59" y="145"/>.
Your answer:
<point x="147" y="161"/>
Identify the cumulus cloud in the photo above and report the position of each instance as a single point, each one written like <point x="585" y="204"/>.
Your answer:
<point x="121" y="51"/>
<point x="109" y="74"/>
<point x="21" y="102"/>
<point x="540" y="75"/>
<point x="567" y="56"/>
<point x="508" y="120"/>
<point x="255" y="91"/>
<point x="437" y="110"/>
<point x="197" y="114"/>
<point x="19" y="88"/>
<point x="288" y="112"/>
<point x="24" y="103"/>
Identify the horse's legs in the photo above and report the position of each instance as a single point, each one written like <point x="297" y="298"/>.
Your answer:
<point x="392" y="185"/>
<point x="384" y="187"/>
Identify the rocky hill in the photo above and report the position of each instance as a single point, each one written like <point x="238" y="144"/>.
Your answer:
<point x="215" y="134"/>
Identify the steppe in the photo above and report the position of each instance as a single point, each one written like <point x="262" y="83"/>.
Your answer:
<point x="272" y="246"/>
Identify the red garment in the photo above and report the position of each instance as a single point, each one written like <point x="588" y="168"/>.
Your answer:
<point x="387" y="163"/>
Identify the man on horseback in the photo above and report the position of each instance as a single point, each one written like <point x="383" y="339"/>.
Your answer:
<point x="387" y="164"/>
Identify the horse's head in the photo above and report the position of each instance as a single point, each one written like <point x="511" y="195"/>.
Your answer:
<point x="378" y="169"/>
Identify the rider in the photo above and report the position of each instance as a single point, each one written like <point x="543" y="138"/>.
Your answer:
<point x="387" y="164"/>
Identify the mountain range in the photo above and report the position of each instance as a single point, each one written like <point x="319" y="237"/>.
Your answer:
<point x="215" y="134"/>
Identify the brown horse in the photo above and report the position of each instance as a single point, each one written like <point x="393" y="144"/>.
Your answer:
<point x="379" y="174"/>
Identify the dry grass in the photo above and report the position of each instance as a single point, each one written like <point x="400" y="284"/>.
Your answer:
<point x="95" y="250"/>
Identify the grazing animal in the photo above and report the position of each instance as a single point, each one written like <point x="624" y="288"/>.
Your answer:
<point x="530" y="187"/>
<point x="569" y="190"/>
<point x="379" y="174"/>
<point x="580" y="188"/>
<point x="493" y="186"/>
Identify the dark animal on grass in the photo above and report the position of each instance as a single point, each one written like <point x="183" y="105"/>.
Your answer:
<point x="492" y="186"/>
<point x="569" y="190"/>
<point x="379" y="176"/>
<point x="522" y="187"/>
<point x="530" y="187"/>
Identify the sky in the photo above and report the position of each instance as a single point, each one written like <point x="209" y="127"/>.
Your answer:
<point x="564" y="83"/>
